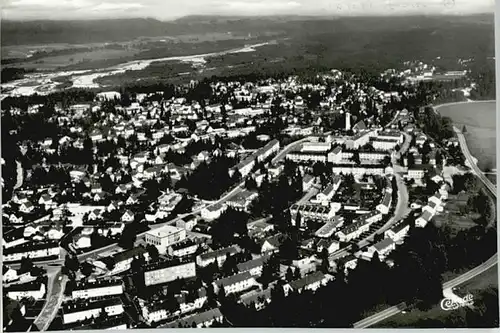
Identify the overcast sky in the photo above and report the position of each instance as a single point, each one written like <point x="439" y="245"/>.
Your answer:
<point x="170" y="9"/>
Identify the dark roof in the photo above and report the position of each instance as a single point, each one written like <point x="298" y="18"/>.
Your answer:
<point x="353" y="227"/>
<point x="182" y="245"/>
<point x="326" y="243"/>
<point x="248" y="265"/>
<point x="233" y="279"/>
<point x="30" y="247"/>
<point x="360" y="125"/>
<point x="329" y="226"/>
<point x="307" y="280"/>
<point x="125" y="255"/>
<point x="276" y="240"/>
<point x="426" y="215"/>
<point x="257" y="296"/>
<point x="109" y="322"/>
<point x="153" y="266"/>
<point x="101" y="283"/>
<point x="30" y="286"/>
<point x="13" y="234"/>
<point x="220" y="252"/>
<point x="400" y="226"/>
<point x="197" y="319"/>
<point x="386" y="201"/>
<point x="383" y="244"/>
<point x="346" y="259"/>
<point x="82" y="305"/>
<point x="354" y="166"/>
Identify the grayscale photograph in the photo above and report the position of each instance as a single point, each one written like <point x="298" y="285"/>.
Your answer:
<point x="248" y="164"/>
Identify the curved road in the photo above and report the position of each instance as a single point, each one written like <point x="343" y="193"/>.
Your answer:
<point x="367" y="322"/>
<point x="401" y="210"/>
<point x="56" y="284"/>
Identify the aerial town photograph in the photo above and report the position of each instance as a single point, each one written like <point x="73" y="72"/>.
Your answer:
<point x="259" y="163"/>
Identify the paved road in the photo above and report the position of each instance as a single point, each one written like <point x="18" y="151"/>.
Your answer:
<point x="465" y="150"/>
<point x="402" y="210"/>
<point x="396" y="116"/>
<point x="55" y="293"/>
<point x="471" y="274"/>
<point x="404" y="147"/>
<point x="20" y="175"/>
<point x="287" y="149"/>
<point x="389" y="312"/>
<point x="467" y="275"/>
<point x="309" y="194"/>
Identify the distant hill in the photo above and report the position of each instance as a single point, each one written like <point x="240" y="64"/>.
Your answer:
<point x="94" y="31"/>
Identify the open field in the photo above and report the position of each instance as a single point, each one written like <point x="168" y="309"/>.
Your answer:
<point x="99" y="55"/>
<point x="58" y="61"/>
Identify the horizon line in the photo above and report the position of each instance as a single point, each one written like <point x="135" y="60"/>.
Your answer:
<point x="243" y="16"/>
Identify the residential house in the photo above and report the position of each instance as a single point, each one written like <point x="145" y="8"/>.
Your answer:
<point x="167" y="271"/>
<point x="307" y="182"/>
<point x="8" y="274"/>
<point x="416" y="172"/>
<point x="353" y="230"/>
<point x="311" y="281"/>
<point x="272" y="244"/>
<point x="235" y="283"/>
<point x="383" y="248"/>
<point x="258" y="299"/>
<point x="254" y="266"/>
<point x="98" y="288"/>
<point x="329" y="228"/>
<point x="213" y="212"/>
<point x="312" y="212"/>
<point x="35" y="289"/>
<point x="32" y="250"/>
<point x="218" y="256"/>
<point x="26" y="207"/>
<point x="385" y="205"/>
<point x="128" y="216"/>
<point x="183" y="248"/>
<point x="242" y="199"/>
<point x="187" y="222"/>
<point x="330" y="245"/>
<point x="423" y="219"/>
<point x="398" y="232"/>
<point x="13" y="238"/>
<point x="82" y="242"/>
<point x="121" y="261"/>
<point x="203" y="319"/>
<point x="348" y="262"/>
<point x="78" y="310"/>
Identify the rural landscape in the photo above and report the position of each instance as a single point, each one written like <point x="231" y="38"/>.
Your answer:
<point x="248" y="169"/>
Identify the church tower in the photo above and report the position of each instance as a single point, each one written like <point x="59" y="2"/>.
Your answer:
<point x="347" y="121"/>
